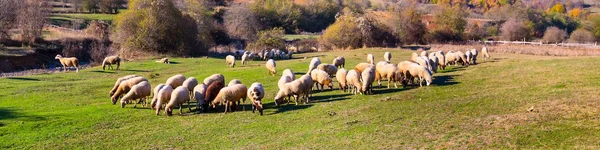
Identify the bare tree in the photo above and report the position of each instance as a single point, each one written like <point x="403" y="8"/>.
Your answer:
<point x="554" y="35"/>
<point x="8" y="16"/>
<point x="514" y="30"/>
<point x="31" y="19"/>
<point x="242" y="23"/>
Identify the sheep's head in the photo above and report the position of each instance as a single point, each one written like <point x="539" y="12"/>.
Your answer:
<point x="259" y="106"/>
<point x="169" y="111"/>
<point x="279" y="99"/>
<point x="123" y="103"/>
<point x="58" y="56"/>
<point x="114" y="99"/>
<point x="256" y="94"/>
<point x="329" y="83"/>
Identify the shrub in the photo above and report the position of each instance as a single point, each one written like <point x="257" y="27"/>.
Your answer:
<point x="85" y="49"/>
<point x="269" y="39"/>
<point x="514" y="30"/>
<point x="581" y="36"/>
<point x="278" y="13"/>
<point x="242" y="23"/>
<point x="450" y="24"/>
<point x="341" y="34"/>
<point x="318" y="14"/>
<point x="410" y="28"/>
<point x="554" y="35"/>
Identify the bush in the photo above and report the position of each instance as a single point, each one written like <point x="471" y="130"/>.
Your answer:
<point x="410" y="27"/>
<point x="450" y="24"/>
<point x="318" y="14"/>
<point x="85" y="49"/>
<point x="269" y="39"/>
<point x="278" y="13"/>
<point x="242" y="23"/>
<point x="342" y="34"/>
<point x="514" y="30"/>
<point x="554" y="35"/>
<point x="581" y="36"/>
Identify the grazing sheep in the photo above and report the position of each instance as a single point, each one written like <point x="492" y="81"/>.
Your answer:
<point x="452" y="58"/>
<point x="245" y="58"/>
<point x="423" y="61"/>
<point x="485" y="53"/>
<point x="462" y="58"/>
<point x="175" y="81"/>
<point x="234" y="82"/>
<point x="163" y="60"/>
<point x="339" y="62"/>
<point x="368" y="76"/>
<point x="313" y="64"/>
<point x="424" y="53"/>
<point x="340" y="75"/>
<point x="289" y="72"/>
<point x="362" y="66"/>
<point x="389" y="72"/>
<point x="260" y="54"/>
<point x="112" y="91"/>
<point x="289" y="54"/>
<point x="282" y="81"/>
<point x="211" y="92"/>
<point x="469" y="56"/>
<point x="403" y="67"/>
<point x="190" y="83"/>
<point x="271" y="66"/>
<point x="230" y="95"/>
<point x="474" y="58"/>
<point x="434" y="61"/>
<point x="139" y="91"/>
<point x="353" y="81"/>
<point x="297" y="88"/>
<point x="379" y="67"/>
<point x="277" y="54"/>
<point x="441" y="60"/>
<point x="271" y="54"/>
<point x="155" y="97"/>
<point x="111" y="60"/>
<point x="420" y="72"/>
<point x="212" y="78"/>
<point x="163" y="97"/>
<point x="414" y="56"/>
<point x="256" y="93"/>
<point x="230" y="60"/>
<point x="370" y="59"/>
<point x="321" y="77"/>
<point x="198" y="94"/>
<point x="330" y="69"/>
<point x="179" y="96"/>
<point x="68" y="62"/>
<point x="387" y="56"/>
<point x="125" y="86"/>
<point x="238" y="54"/>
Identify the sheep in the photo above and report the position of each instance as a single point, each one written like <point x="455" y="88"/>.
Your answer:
<point x="485" y="53"/>
<point x="339" y="62"/>
<point x="297" y="88"/>
<point x="271" y="54"/>
<point x="421" y="73"/>
<point x="68" y="62"/>
<point x="469" y="56"/>
<point x="245" y="58"/>
<point x="112" y="91"/>
<point x="277" y="54"/>
<point x="111" y="60"/>
<point x="139" y="91"/>
<point x="441" y="60"/>
<point x="289" y="54"/>
<point x="256" y="93"/>
<point x="371" y="59"/>
<point x="212" y="78"/>
<point x="330" y="69"/>
<point x="211" y="92"/>
<point x="424" y="53"/>
<point x="379" y="67"/>
<point x="462" y="58"/>
<point x="353" y="81"/>
<point x="423" y="61"/>
<point x="368" y="76"/>
<point x="238" y="53"/>
<point x="340" y="75"/>
<point x="155" y="92"/>
<point x="230" y="60"/>
<point x="474" y="58"/>
<point x="163" y="97"/>
<point x="190" y="83"/>
<point x="313" y="64"/>
<point x="452" y="58"/>
<point x="230" y="95"/>
<point x="414" y="56"/>
<point x="321" y="77"/>
<point x="271" y="66"/>
<point x="361" y="66"/>
<point x="434" y="61"/>
<point x="389" y="72"/>
<point x="234" y="82"/>
<point x="175" y="81"/>
<point x="198" y="94"/>
<point x="403" y="67"/>
<point x="288" y="72"/>
<point x="125" y="86"/>
<point x="387" y="56"/>
<point x="163" y="60"/>
<point x="260" y="55"/>
<point x="266" y="55"/>
<point x="179" y="96"/>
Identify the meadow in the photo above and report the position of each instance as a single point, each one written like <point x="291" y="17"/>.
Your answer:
<point x="481" y="106"/>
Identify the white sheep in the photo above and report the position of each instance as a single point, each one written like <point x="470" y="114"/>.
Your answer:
<point x="68" y="62"/>
<point x="234" y="82"/>
<point x="245" y="58"/>
<point x="163" y="60"/>
<point x="423" y="61"/>
<point x="230" y="95"/>
<point x="387" y="56"/>
<point x="256" y="93"/>
<point x="110" y="60"/>
<point x="297" y="88"/>
<point x="462" y="58"/>
<point x="362" y="66"/>
<point x="340" y="75"/>
<point x="368" y="76"/>
<point x="198" y="95"/>
<point x="190" y="83"/>
<point x="420" y="72"/>
<point x="474" y="58"/>
<point x="330" y="69"/>
<point x="441" y="60"/>
<point x="389" y="72"/>
<point x="112" y="91"/>
<point x="452" y="58"/>
<point x="125" y="86"/>
<point x="353" y="80"/>
<point x="403" y="67"/>
<point x="290" y="73"/>
<point x="321" y="77"/>
<point x="155" y="97"/>
<point x="469" y="56"/>
<point x="230" y="60"/>
<point x="179" y="96"/>
<point x="289" y="54"/>
<point x="212" y="78"/>
<point x="162" y="98"/>
<point x="175" y="81"/>
<point x="271" y="66"/>
<point x="485" y="53"/>
<point x="424" y="53"/>
<point x="434" y="61"/>
<point x="313" y="64"/>
<point x="339" y="62"/>
<point x="139" y="91"/>
<point x="414" y="56"/>
<point x="370" y="59"/>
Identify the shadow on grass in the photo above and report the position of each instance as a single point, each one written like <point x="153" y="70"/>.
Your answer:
<point x="174" y="62"/>
<point x="414" y="48"/>
<point x="135" y="70"/>
<point x="329" y="98"/>
<point x="392" y="89"/>
<point x="444" y="80"/>
<point x="102" y="71"/>
<point x="491" y="60"/>
<point x="22" y="78"/>
<point x="6" y="113"/>
<point x="448" y="69"/>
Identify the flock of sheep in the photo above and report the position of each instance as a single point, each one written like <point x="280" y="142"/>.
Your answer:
<point x="178" y="89"/>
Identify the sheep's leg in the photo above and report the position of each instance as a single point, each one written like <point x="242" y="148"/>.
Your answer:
<point x="181" y="108"/>
<point x="135" y="104"/>
<point x="296" y="99"/>
<point x="226" y="107"/>
<point x="253" y="108"/>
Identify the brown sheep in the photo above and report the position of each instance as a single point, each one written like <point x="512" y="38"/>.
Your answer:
<point x="361" y="66"/>
<point x="112" y="91"/>
<point x="68" y="62"/>
<point x="125" y="86"/>
<point x="211" y="92"/>
<point x="111" y="60"/>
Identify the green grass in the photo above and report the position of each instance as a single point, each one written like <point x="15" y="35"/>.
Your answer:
<point x="478" y="107"/>
<point x="104" y="17"/>
<point x="299" y="36"/>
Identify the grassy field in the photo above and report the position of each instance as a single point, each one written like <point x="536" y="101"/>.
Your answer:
<point x="299" y="36"/>
<point x="476" y="107"/>
<point x="71" y="16"/>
